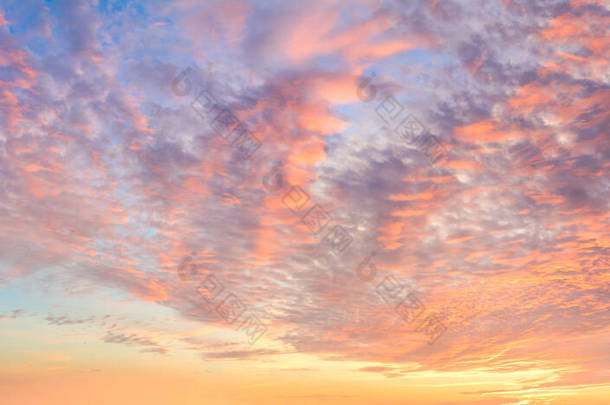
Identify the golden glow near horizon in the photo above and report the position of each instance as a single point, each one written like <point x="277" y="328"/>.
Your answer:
<point x="325" y="202"/>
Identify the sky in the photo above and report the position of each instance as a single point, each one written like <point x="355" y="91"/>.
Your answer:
<point x="329" y="202"/>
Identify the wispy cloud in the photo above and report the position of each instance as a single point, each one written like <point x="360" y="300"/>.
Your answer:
<point x="473" y="162"/>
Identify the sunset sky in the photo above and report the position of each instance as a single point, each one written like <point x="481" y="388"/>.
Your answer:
<point x="276" y="202"/>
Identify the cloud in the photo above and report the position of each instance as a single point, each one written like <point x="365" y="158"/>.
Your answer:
<point x="134" y="340"/>
<point x="64" y="320"/>
<point x="239" y="354"/>
<point x="111" y="178"/>
<point x="14" y="314"/>
<point x="374" y="369"/>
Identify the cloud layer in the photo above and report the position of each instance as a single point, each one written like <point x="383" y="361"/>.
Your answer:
<point x="110" y="178"/>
